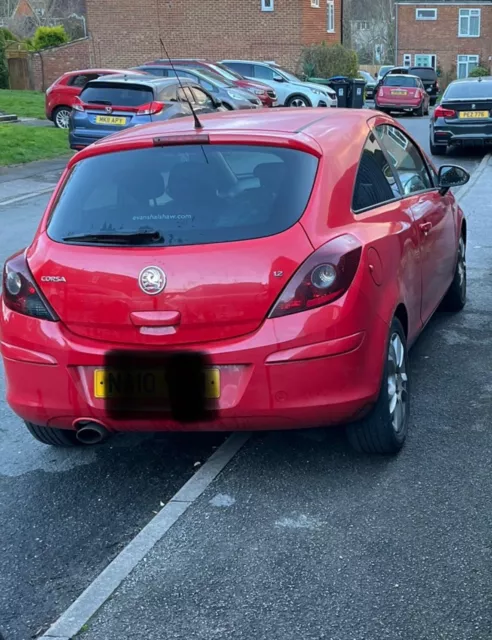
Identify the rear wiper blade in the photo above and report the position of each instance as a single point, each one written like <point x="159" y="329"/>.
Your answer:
<point x="108" y="102"/>
<point x="118" y="237"/>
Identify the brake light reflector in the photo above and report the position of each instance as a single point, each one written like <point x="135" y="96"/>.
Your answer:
<point x="323" y="278"/>
<point x="151" y="109"/>
<point x="20" y="293"/>
<point x="441" y="112"/>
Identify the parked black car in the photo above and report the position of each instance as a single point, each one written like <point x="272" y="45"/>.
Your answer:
<point x="464" y="116"/>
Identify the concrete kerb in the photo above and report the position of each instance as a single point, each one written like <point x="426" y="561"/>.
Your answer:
<point x="102" y="588"/>
<point x="27" y="196"/>
<point x="465" y="189"/>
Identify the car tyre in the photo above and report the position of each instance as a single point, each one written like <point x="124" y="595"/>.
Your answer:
<point x="432" y="102"/>
<point x="455" y="298"/>
<point x="53" y="437"/>
<point x="420" y="111"/>
<point x="437" y="149"/>
<point x="61" y="117"/>
<point x="385" y="429"/>
<point x="298" y="101"/>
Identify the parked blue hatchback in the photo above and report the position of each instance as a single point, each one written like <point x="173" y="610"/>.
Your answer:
<point x="117" y="102"/>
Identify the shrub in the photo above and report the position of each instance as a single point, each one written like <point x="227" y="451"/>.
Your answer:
<point x="8" y="35"/>
<point x="4" y="70"/>
<point x="479" y="72"/>
<point x="323" y="61"/>
<point x="49" y="37"/>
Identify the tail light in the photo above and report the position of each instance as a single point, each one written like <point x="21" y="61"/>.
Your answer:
<point x="441" y="112"/>
<point x="78" y="105"/>
<point x="381" y="92"/>
<point x="323" y="278"/>
<point x="151" y="109"/>
<point x="20" y="292"/>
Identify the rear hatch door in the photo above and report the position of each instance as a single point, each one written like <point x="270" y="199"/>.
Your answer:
<point x="226" y="241"/>
<point x="112" y="106"/>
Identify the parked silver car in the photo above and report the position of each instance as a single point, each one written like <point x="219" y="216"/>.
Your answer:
<point x="291" y="91"/>
<point x="230" y="96"/>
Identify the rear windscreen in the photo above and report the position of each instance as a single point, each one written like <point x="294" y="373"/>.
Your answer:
<point x="190" y="194"/>
<point x="399" y="81"/>
<point x="424" y="74"/>
<point x="119" y="95"/>
<point x="469" y="90"/>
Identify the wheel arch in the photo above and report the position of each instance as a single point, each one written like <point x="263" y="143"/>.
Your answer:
<point x="464" y="230"/>
<point x="296" y="94"/>
<point x="402" y="315"/>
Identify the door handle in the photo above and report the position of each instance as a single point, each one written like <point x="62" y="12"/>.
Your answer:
<point x="425" y="227"/>
<point x="155" y="318"/>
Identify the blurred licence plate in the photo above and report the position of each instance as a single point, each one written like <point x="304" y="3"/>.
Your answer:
<point x="472" y="115"/>
<point x="110" y="120"/>
<point x="144" y="384"/>
<point x="398" y="93"/>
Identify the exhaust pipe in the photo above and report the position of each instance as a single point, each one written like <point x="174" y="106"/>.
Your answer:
<point x="90" y="433"/>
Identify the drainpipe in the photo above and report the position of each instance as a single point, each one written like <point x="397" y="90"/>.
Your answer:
<point x="396" y="34"/>
<point x="342" y="3"/>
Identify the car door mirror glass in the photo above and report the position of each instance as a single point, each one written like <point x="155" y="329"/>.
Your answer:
<point x="278" y="78"/>
<point x="452" y="176"/>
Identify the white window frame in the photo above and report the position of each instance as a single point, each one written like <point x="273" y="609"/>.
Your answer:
<point x="475" y="60"/>
<point x="267" y="5"/>
<point x="330" y="16"/>
<point x="407" y="59"/>
<point x="420" y="16"/>
<point x="469" y="13"/>
<point x="432" y="56"/>
<point x="315" y="4"/>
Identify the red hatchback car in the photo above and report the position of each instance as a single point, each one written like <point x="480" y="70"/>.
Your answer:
<point x="61" y="95"/>
<point x="404" y="93"/>
<point x="280" y="264"/>
<point x="264" y="92"/>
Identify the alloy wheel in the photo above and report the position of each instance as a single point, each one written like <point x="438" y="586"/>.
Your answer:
<point x="397" y="382"/>
<point x="298" y="102"/>
<point x="62" y="119"/>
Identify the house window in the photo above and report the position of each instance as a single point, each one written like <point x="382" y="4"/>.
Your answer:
<point x="315" y="4"/>
<point x="425" y="14"/>
<point x="469" y="23"/>
<point x="267" y="5"/>
<point x="330" y="16"/>
<point x="407" y="59"/>
<point x="466" y="64"/>
<point x="425" y="60"/>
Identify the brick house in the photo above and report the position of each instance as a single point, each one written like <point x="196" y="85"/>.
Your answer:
<point x="263" y="29"/>
<point x="450" y="35"/>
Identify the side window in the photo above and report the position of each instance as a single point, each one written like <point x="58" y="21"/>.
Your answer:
<point x="81" y="80"/>
<point x="185" y="94"/>
<point x="375" y="182"/>
<point x="243" y="68"/>
<point x="411" y="168"/>
<point x="168" y="94"/>
<point x="202" y="99"/>
<point x="263" y="73"/>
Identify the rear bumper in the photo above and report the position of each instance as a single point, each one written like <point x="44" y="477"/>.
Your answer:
<point x="78" y="141"/>
<point x="465" y="134"/>
<point x="398" y="106"/>
<point x="265" y="383"/>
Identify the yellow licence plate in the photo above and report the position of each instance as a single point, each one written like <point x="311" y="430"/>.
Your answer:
<point x="398" y="93"/>
<point x="473" y="115"/>
<point x="149" y="384"/>
<point x="114" y="120"/>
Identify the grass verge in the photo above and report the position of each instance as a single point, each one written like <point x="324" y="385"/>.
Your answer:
<point x="25" y="104"/>
<point x="20" y="143"/>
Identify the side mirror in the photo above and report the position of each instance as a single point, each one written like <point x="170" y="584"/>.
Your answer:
<point x="278" y="78"/>
<point x="451" y="176"/>
<point x="217" y="103"/>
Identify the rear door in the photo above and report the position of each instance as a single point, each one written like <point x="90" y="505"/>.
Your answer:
<point x="227" y="242"/>
<point x="112" y="106"/>
<point x="434" y="215"/>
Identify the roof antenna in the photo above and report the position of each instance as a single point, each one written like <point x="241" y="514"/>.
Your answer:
<point x="198" y="124"/>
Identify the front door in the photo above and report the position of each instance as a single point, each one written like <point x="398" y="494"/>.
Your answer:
<point x="432" y="214"/>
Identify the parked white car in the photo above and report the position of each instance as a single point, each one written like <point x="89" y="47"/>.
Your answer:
<point x="291" y="91"/>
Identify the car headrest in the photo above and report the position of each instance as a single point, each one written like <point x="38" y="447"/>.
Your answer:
<point x="143" y="185"/>
<point x="270" y="174"/>
<point x="190" y="181"/>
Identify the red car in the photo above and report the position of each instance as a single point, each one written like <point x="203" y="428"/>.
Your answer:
<point x="264" y="92"/>
<point x="403" y="93"/>
<point x="60" y="96"/>
<point x="265" y="271"/>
